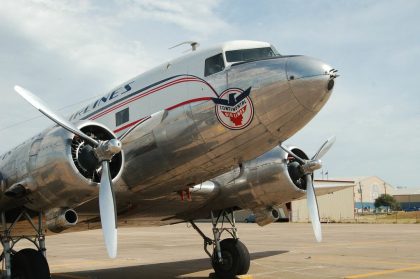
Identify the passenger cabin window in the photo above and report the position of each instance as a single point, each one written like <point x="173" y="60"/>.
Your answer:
<point x="242" y="55"/>
<point x="122" y="116"/>
<point x="214" y="65"/>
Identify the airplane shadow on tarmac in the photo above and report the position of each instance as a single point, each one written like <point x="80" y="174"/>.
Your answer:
<point x="159" y="271"/>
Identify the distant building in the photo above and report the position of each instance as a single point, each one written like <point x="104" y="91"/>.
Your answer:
<point x="340" y="199"/>
<point x="409" y="199"/>
<point x="367" y="189"/>
<point x="335" y="202"/>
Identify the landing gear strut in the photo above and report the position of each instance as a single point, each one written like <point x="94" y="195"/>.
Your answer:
<point x="26" y="263"/>
<point x="230" y="256"/>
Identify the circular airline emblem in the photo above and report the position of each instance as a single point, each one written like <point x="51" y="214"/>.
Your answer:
<point x="234" y="108"/>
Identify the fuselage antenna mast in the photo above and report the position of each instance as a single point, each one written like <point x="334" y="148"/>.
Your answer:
<point x="194" y="45"/>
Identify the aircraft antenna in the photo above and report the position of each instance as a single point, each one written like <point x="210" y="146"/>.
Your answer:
<point x="194" y="45"/>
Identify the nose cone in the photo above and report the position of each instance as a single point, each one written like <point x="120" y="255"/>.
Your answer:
<point x="311" y="81"/>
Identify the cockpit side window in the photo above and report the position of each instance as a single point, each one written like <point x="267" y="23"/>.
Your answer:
<point x="242" y="55"/>
<point x="214" y="65"/>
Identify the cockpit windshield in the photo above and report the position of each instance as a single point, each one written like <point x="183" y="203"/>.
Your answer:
<point x="242" y="55"/>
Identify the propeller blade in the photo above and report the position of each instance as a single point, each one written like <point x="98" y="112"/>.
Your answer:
<point x="324" y="148"/>
<point x="107" y="208"/>
<point x="44" y="109"/>
<point x="300" y="160"/>
<point x="313" y="208"/>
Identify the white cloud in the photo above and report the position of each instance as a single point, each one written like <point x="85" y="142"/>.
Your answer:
<point x="82" y="48"/>
<point x="96" y="36"/>
<point x="197" y="16"/>
<point x="67" y="29"/>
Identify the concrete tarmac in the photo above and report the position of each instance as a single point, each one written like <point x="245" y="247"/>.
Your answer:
<point x="280" y="250"/>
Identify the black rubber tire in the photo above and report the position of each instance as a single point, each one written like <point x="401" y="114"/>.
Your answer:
<point x="30" y="264"/>
<point x="236" y="259"/>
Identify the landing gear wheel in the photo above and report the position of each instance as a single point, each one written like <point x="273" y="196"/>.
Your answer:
<point x="30" y="264"/>
<point x="236" y="259"/>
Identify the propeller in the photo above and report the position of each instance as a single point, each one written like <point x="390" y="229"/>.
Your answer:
<point x="307" y="168"/>
<point x="103" y="151"/>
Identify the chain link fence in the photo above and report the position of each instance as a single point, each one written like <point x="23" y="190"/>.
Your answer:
<point x="396" y="217"/>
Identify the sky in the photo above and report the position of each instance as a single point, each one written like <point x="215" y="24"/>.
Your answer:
<point x="69" y="52"/>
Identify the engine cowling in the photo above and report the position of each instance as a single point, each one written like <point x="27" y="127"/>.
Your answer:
<point x="57" y="169"/>
<point x="264" y="183"/>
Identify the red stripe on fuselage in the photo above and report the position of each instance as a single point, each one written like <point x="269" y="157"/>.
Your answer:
<point x="102" y="113"/>
<point x="189" y="101"/>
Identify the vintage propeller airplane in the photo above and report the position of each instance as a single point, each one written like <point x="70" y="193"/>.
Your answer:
<point x="197" y="137"/>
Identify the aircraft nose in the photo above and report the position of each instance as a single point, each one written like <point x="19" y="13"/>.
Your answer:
<point x="311" y="81"/>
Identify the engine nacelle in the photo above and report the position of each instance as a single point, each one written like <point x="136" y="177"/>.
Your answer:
<point x="263" y="184"/>
<point x="56" y="168"/>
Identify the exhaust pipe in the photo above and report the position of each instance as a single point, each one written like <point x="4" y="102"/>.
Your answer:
<point x="60" y="219"/>
<point x="267" y="216"/>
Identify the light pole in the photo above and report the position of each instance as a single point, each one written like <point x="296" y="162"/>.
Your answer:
<point x="361" y="195"/>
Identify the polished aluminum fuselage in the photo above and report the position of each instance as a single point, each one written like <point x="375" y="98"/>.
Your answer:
<point x="177" y="149"/>
<point x="179" y="143"/>
<point x="183" y="147"/>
